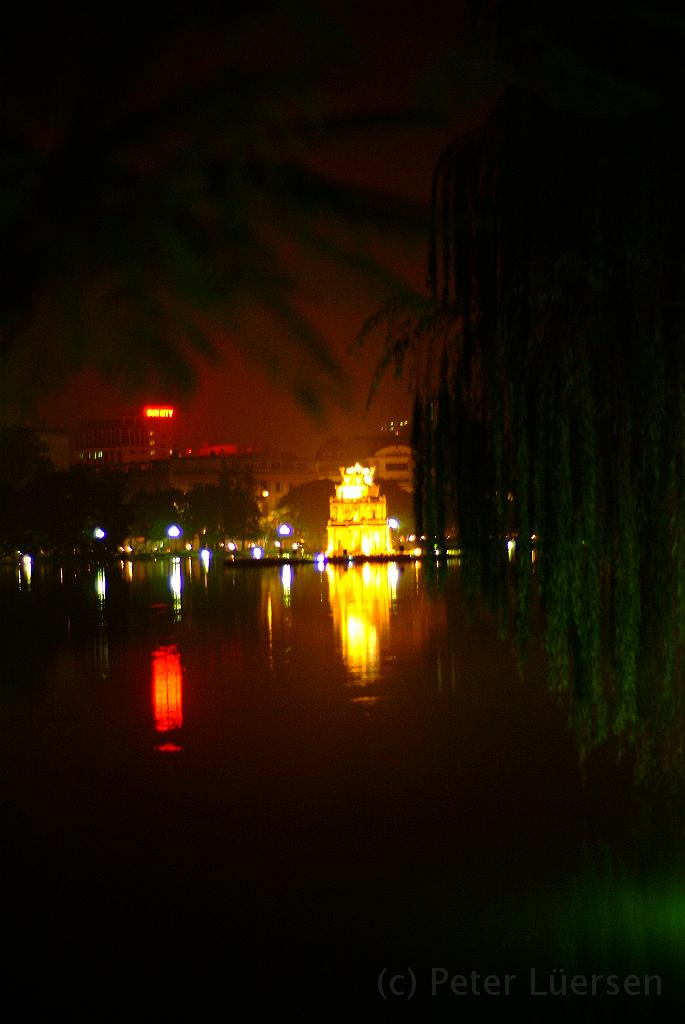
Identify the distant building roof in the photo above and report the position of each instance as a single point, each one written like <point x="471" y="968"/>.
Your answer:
<point x="350" y="449"/>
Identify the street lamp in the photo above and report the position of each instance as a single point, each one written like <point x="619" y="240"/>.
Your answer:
<point x="174" y="531"/>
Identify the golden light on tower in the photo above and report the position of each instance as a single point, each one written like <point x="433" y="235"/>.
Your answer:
<point x="358" y="523"/>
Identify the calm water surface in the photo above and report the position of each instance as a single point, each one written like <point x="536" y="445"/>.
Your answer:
<point x="272" y="783"/>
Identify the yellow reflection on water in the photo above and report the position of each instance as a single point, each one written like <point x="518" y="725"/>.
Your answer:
<point x="25" y="571"/>
<point x="101" y="640"/>
<point x="393" y="577"/>
<point x="167" y="694"/>
<point x="361" y="601"/>
<point x="277" y="588"/>
<point x="270" y="628"/>
<point x="286" y="583"/>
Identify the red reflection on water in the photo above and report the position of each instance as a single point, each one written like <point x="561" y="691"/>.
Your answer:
<point x="167" y="692"/>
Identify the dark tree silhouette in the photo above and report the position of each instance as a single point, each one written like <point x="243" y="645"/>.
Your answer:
<point x="150" y="513"/>
<point x="226" y="510"/>
<point x="57" y="512"/>
<point x="399" y="503"/>
<point x="307" y="508"/>
<point x="550" y="361"/>
<point x="155" y="178"/>
<point x="22" y="456"/>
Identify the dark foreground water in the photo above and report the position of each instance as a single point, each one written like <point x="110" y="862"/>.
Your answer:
<point x="307" y="791"/>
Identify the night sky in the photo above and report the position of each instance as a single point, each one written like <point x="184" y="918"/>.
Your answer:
<point x="379" y="54"/>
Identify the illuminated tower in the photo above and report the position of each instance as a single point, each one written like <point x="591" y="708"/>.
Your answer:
<point x="359" y="522"/>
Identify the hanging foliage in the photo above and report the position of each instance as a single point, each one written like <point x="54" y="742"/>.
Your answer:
<point x="550" y="385"/>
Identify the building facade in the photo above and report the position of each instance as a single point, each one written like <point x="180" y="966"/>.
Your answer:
<point x="269" y="476"/>
<point x="127" y="439"/>
<point x="390" y="459"/>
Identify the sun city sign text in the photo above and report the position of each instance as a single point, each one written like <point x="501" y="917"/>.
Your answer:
<point x="157" y="412"/>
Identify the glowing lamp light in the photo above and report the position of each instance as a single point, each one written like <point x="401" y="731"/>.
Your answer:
<point x="393" y="524"/>
<point x="173" y="531"/>
<point x="257" y="552"/>
<point x="230" y="546"/>
<point x="352" y="492"/>
<point x="285" y="529"/>
<point x="99" y="533"/>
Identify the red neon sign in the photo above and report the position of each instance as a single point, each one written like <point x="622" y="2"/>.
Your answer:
<point x="157" y="412"/>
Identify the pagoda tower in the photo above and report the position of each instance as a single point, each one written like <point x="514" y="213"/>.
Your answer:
<point x="358" y="523"/>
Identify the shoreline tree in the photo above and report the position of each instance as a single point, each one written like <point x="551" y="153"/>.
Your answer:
<point x="549" y="363"/>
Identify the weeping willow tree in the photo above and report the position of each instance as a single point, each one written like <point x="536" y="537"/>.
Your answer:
<point x="550" y="366"/>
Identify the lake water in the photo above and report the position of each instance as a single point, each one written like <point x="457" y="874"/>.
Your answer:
<point x="311" y="788"/>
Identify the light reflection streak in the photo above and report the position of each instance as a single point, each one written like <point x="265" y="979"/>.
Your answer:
<point x="102" y="653"/>
<point x="101" y="638"/>
<point x="269" y="626"/>
<point x="360" y="601"/>
<point x="286" y="581"/>
<point x="101" y="586"/>
<point x="167" y="695"/>
<point x="393" y="577"/>
<point x="442" y="672"/>
<point x="176" y="585"/>
<point x="26" y="569"/>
